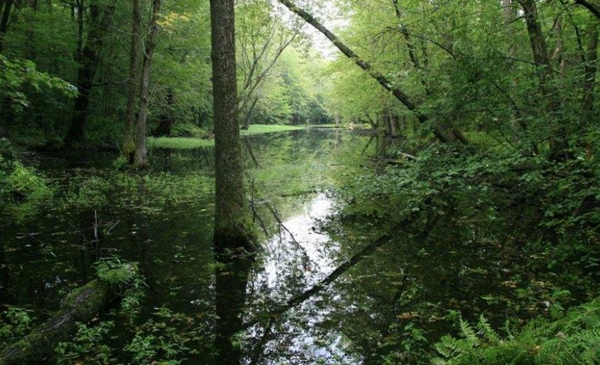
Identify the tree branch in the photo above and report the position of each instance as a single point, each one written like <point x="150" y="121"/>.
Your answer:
<point x="589" y="6"/>
<point x="382" y="80"/>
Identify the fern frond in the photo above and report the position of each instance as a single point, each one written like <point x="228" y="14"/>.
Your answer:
<point x="488" y="332"/>
<point x="449" y="347"/>
<point x="469" y="333"/>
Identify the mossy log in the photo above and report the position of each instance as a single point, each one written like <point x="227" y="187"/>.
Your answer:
<point x="82" y="305"/>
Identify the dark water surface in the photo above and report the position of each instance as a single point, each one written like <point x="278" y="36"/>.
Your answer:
<point x="389" y="303"/>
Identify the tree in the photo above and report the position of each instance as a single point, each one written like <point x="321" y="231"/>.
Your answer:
<point x="262" y="40"/>
<point x="5" y="7"/>
<point x="141" y="153"/>
<point x="233" y="233"/>
<point x="441" y="132"/>
<point x="132" y="87"/>
<point x="88" y="56"/>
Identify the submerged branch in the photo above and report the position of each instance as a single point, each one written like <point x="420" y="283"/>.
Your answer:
<point x="317" y="288"/>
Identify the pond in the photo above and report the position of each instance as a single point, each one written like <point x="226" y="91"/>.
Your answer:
<point x="307" y="299"/>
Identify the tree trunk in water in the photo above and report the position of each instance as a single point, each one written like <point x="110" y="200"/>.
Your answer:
<point x="141" y="151"/>
<point x="233" y="233"/>
<point x="89" y="62"/>
<point x="80" y="306"/>
<point x="134" y="55"/>
<point x="441" y="133"/>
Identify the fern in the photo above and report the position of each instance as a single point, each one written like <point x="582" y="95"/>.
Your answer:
<point x="469" y="333"/>
<point x="488" y="332"/>
<point x="449" y="347"/>
<point x="573" y="338"/>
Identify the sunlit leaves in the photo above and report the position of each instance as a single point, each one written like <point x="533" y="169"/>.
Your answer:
<point x="16" y="75"/>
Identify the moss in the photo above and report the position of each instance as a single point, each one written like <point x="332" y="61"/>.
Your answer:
<point x="82" y="305"/>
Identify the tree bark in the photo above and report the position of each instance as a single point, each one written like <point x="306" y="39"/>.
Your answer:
<point x="537" y="41"/>
<point x="232" y="216"/>
<point x="441" y="134"/>
<point x="134" y="55"/>
<point x="141" y="151"/>
<point x="5" y="8"/>
<point x="591" y="67"/>
<point x="167" y="118"/>
<point x="100" y="19"/>
<point x="412" y="52"/>
<point x="541" y="59"/>
<point x="233" y="233"/>
<point x="80" y="306"/>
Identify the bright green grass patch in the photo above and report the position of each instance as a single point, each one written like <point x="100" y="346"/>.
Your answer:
<point x="179" y="142"/>
<point x="270" y="128"/>
<point x="190" y="143"/>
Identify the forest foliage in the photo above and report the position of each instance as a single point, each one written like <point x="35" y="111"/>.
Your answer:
<point x="495" y="132"/>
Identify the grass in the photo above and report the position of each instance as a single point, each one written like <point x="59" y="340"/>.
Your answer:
<point x="190" y="143"/>
<point x="264" y="128"/>
<point x="179" y="142"/>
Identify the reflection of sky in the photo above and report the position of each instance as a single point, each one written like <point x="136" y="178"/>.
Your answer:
<point x="291" y="266"/>
<point x="309" y="256"/>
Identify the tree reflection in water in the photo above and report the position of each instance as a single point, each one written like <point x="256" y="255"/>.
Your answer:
<point x="231" y="278"/>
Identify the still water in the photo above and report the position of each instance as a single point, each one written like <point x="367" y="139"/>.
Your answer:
<point x="384" y="308"/>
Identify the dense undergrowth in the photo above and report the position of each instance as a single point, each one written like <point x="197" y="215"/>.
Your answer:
<point x="541" y="217"/>
<point x="566" y="338"/>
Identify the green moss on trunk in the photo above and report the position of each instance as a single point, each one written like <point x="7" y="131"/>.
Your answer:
<point x="82" y="305"/>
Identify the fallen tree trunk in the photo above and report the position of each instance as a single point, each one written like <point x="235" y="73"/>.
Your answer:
<point x="82" y="305"/>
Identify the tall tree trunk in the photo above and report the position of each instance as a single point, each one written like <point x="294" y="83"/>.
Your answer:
<point x="557" y="55"/>
<point x="100" y="20"/>
<point x="412" y="52"/>
<point x="167" y="118"/>
<point x="591" y="67"/>
<point x="541" y="58"/>
<point x="233" y="233"/>
<point x="510" y="13"/>
<point x="537" y="41"/>
<point x="5" y="8"/>
<point x="443" y="134"/>
<point x="7" y="117"/>
<point x="134" y="55"/>
<point x="141" y="150"/>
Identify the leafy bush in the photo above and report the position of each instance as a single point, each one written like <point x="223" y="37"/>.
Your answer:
<point x="22" y="188"/>
<point x="16" y="323"/>
<point x="87" y="346"/>
<point x="163" y="338"/>
<point x="187" y="130"/>
<point x="15" y="74"/>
